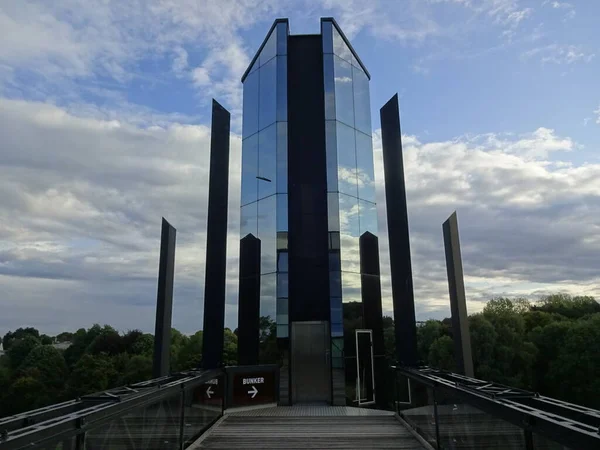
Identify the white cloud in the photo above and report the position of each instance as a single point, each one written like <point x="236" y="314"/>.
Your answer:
<point x="597" y="112"/>
<point x="559" y="54"/>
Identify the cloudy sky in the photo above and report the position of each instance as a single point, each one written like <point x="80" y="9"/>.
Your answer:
<point x="105" y="128"/>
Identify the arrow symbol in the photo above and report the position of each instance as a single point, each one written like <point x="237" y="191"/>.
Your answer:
<point x="254" y="391"/>
<point x="209" y="391"/>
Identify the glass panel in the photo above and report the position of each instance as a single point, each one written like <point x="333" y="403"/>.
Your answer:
<point x="337" y="321"/>
<point x="368" y="217"/>
<point x="335" y="284"/>
<point x="282" y="285"/>
<point x="334" y="240"/>
<point x="269" y="50"/>
<point x="349" y="233"/>
<point x="255" y="66"/>
<point x="282" y="35"/>
<point x="351" y="289"/>
<point x="327" y="33"/>
<point x="473" y="428"/>
<point x="153" y="426"/>
<point x="543" y="443"/>
<point x="282" y="88"/>
<point x="333" y="212"/>
<point x="366" y="380"/>
<point x="344" y="97"/>
<point x="268" y="94"/>
<point x="282" y="240"/>
<point x="329" y="85"/>
<point x="282" y="212"/>
<point x="334" y="261"/>
<point x="248" y="220"/>
<point x="268" y="289"/>
<point x="203" y="405"/>
<point x="346" y="156"/>
<point x="283" y="331"/>
<point x="282" y="261"/>
<point x="249" y="169"/>
<point x="267" y="234"/>
<point x="362" y="103"/>
<point x="420" y="413"/>
<point x="63" y="444"/>
<point x="282" y="165"/>
<point x="339" y="46"/>
<point x="282" y="306"/>
<point x="331" y="155"/>
<point x="250" y="117"/>
<point x="267" y="161"/>
<point x="337" y="353"/>
<point x="364" y="167"/>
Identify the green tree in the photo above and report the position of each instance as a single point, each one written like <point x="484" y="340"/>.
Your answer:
<point x="567" y="306"/>
<point x="19" y="333"/>
<point x="45" y="339"/>
<point x="92" y="373"/>
<point x="20" y="349"/>
<point x="24" y="394"/>
<point x="81" y="340"/>
<point x="483" y="343"/>
<point x="190" y="354"/>
<point x="64" y="337"/>
<point x="427" y="334"/>
<point x="108" y="341"/>
<point x="229" y="348"/>
<point x="178" y="342"/>
<point x="441" y="354"/>
<point x="50" y="369"/>
<point x="139" y="368"/>
<point x="144" y="345"/>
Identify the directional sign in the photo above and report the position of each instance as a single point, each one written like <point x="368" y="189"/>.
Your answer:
<point x="254" y="388"/>
<point x="210" y="392"/>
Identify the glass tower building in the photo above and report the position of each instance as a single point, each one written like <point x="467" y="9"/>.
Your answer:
<point x="308" y="194"/>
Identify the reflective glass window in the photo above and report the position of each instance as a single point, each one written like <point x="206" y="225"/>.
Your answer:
<point x="249" y="183"/>
<point x="334" y="240"/>
<point x="282" y="261"/>
<point x="267" y="296"/>
<point x="364" y="167"/>
<point x="346" y="158"/>
<point x="255" y="66"/>
<point x="334" y="261"/>
<point x="282" y="35"/>
<point x="282" y="212"/>
<point x="282" y="154"/>
<point x="335" y="284"/>
<point x="344" y="97"/>
<point x="282" y="240"/>
<point x="267" y="161"/>
<point x="267" y="234"/>
<point x="339" y="46"/>
<point x="283" y="331"/>
<point x="327" y="36"/>
<point x="250" y="117"/>
<point x="329" y="85"/>
<point x="351" y="288"/>
<point x="362" y="102"/>
<point x="282" y="285"/>
<point x="333" y="211"/>
<point x="248" y="222"/>
<point x="349" y="233"/>
<point x="267" y="103"/>
<point x="270" y="49"/>
<point x="331" y="155"/>
<point x="282" y="306"/>
<point x="368" y="217"/>
<point x="337" y="321"/>
<point x="282" y="88"/>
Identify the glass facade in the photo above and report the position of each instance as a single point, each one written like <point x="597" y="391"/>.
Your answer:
<point x="264" y="172"/>
<point x="350" y="177"/>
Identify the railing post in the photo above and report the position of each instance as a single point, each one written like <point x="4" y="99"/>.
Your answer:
<point x="182" y="417"/>
<point x="436" y="418"/>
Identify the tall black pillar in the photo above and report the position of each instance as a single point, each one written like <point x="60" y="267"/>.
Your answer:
<point x="249" y="301"/>
<point x="216" y="239"/>
<point x="397" y="221"/>
<point x="372" y="312"/>
<point x="164" y="301"/>
<point x="458" y="302"/>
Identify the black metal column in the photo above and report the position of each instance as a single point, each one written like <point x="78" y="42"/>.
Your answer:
<point x="216" y="239"/>
<point x="397" y="222"/>
<point x="372" y="312"/>
<point x="249" y="301"/>
<point x="458" y="302"/>
<point x="164" y="301"/>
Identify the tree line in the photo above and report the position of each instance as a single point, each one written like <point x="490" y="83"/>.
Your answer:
<point x="551" y="346"/>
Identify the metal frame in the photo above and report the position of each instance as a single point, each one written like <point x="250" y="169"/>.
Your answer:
<point x="571" y="425"/>
<point x="370" y="402"/>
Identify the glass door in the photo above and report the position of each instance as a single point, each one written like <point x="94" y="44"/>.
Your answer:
<point x="365" y="377"/>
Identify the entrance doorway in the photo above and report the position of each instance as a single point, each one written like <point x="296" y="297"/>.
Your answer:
<point x="365" y="376"/>
<point x="310" y="363"/>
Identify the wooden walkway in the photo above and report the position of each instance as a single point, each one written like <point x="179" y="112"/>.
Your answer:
<point x="311" y="427"/>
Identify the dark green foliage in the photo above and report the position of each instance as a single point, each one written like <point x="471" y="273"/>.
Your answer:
<point x="64" y="337"/>
<point x="20" y="349"/>
<point x="90" y="374"/>
<point x="19" y="333"/>
<point x="139" y="368"/>
<point x="45" y="339"/>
